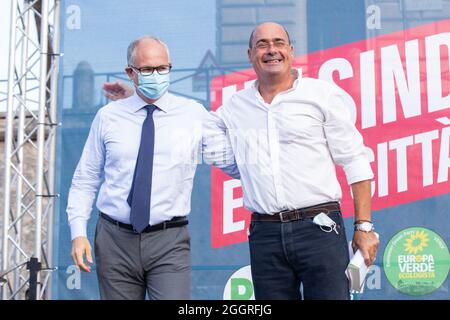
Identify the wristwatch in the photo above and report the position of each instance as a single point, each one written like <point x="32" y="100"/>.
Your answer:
<point x="364" y="226"/>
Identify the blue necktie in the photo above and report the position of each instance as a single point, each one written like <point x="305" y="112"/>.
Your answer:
<point x="141" y="188"/>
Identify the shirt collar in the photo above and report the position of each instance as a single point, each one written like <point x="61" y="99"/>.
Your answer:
<point x="297" y="77"/>
<point x="163" y="103"/>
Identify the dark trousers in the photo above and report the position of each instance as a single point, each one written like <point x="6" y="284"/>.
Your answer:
<point x="285" y="255"/>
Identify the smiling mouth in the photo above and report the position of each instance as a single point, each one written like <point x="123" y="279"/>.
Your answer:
<point x="272" y="61"/>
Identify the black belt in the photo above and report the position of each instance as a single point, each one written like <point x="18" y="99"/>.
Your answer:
<point x="175" y="222"/>
<point x="298" y="214"/>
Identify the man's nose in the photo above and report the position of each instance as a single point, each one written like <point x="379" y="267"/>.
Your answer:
<point x="271" y="50"/>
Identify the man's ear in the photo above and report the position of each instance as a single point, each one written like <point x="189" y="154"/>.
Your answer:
<point x="130" y="74"/>
<point x="249" y="54"/>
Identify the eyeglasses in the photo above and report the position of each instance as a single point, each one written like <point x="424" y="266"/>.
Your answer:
<point x="264" y="44"/>
<point x="146" y="71"/>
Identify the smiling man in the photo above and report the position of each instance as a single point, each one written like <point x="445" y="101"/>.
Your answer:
<point x="294" y="130"/>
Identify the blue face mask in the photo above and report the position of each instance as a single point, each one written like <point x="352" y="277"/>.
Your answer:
<point x="153" y="86"/>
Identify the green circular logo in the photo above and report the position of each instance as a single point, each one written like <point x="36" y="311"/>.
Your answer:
<point x="416" y="261"/>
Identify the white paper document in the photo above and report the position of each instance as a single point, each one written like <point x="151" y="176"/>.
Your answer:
<point x="357" y="269"/>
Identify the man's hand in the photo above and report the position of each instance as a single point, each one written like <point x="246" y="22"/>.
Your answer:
<point x="368" y="243"/>
<point x="117" y="90"/>
<point x="81" y="247"/>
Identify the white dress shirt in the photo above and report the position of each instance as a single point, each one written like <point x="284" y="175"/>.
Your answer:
<point x="286" y="150"/>
<point x="109" y="158"/>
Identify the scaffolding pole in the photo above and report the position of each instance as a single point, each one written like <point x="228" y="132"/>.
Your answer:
<point x="29" y="173"/>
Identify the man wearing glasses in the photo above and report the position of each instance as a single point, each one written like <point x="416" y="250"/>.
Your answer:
<point x="296" y="236"/>
<point x="142" y="152"/>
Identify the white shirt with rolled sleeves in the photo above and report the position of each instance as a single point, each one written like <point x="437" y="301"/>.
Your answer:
<point x="286" y="151"/>
<point x="109" y="158"/>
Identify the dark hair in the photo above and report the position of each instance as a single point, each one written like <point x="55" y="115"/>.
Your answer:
<point x="250" y="44"/>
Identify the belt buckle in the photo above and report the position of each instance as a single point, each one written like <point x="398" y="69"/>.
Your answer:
<point x="281" y="216"/>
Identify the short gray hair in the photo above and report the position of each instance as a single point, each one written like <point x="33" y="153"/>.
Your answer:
<point x="132" y="46"/>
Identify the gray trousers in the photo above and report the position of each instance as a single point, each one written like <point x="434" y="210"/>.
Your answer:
<point x="129" y="265"/>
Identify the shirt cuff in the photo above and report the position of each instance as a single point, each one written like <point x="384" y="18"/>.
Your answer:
<point x="78" y="228"/>
<point x="358" y="170"/>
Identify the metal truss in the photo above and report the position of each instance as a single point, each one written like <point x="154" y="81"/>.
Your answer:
<point x="29" y="173"/>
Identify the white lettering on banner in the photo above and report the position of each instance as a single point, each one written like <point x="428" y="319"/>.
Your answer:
<point x="444" y="120"/>
<point x="444" y="157"/>
<point x="345" y="71"/>
<point x="368" y="99"/>
<point x="392" y="72"/>
<point x="400" y="146"/>
<point x="433" y="46"/>
<point x="393" y="76"/>
<point x="229" y="204"/>
<point x="427" y="160"/>
<point x="382" y="169"/>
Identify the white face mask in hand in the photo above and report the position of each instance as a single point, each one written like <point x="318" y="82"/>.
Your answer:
<point x="325" y="223"/>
